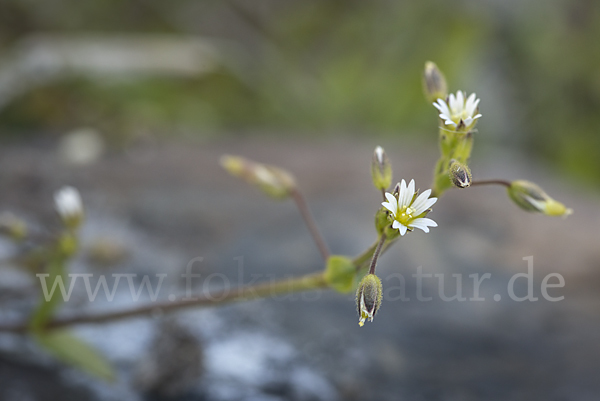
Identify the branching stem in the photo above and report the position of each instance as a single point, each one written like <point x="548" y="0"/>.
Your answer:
<point x="310" y="223"/>
<point x="304" y="283"/>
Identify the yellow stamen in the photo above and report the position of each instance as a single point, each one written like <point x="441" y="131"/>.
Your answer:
<point x="405" y="215"/>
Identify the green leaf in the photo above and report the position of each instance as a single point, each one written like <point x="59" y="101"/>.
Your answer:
<point x="340" y="273"/>
<point x="75" y="352"/>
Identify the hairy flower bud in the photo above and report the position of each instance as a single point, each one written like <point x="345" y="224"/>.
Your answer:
<point x="460" y="174"/>
<point x="381" y="169"/>
<point x="434" y="83"/>
<point x="368" y="298"/>
<point x="529" y="196"/>
<point x="273" y="181"/>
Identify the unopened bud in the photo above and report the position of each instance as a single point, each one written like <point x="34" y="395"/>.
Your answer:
<point x="381" y="220"/>
<point x="460" y="174"/>
<point x="273" y="181"/>
<point x="12" y="226"/>
<point x="368" y="298"/>
<point x="69" y="206"/>
<point x="340" y="273"/>
<point x="529" y="196"/>
<point x="381" y="169"/>
<point x="434" y="83"/>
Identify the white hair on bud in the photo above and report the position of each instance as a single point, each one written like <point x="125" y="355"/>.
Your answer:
<point x="379" y="154"/>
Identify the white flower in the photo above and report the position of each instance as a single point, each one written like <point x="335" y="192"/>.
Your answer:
<point x="68" y="203"/>
<point x="408" y="210"/>
<point x="459" y="112"/>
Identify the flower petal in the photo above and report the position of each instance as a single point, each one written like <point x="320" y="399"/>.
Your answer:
<point x="392" y="204"/>
<point x="391" y="207"/>
<point x="421" y="201"/>
<point x="423" y="222"/>
<point x="419" y="226"/>
<point x="442" y="107"/>
<point x="460" y="99"/>
<point x="469" y="109"/>
<point x="391" y="198"/>
<point x="402" y="229"/>
<point x="429" y="203"/>
<point x="473" y="108"/>
<point x="408" y="195"/>
<point x="402" y="193"/>
<point x="451" y="101"/>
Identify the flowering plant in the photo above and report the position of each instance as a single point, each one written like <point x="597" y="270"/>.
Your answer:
<point x="403" y="209"/>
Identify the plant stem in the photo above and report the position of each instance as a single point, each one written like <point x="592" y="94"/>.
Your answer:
<point x="491" y="182"/>
<point x="310" y="223"/>
<point x="304" y="283"/>
<point x="362" y="260"/>
<point x="376" y="254"/>
<point x="366" y="256"/>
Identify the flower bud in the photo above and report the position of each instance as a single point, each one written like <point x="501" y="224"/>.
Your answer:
<point x="530" y="197"/>
<point x="368" y="298"/>
<point x="434" y="83"/>
<point x="67" y="245"/>
<point x="460" y="174"/>
<point x="273" y="181"/>
<point x="340" y="273"/>
<point x="69" y="206"/>
<point x="12" y="226"/>
<point x="381" y="220"/>
<point x="381" y="169"/>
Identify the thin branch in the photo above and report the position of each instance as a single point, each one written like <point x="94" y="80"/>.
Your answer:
<point x="376" y="254"/>
<point x="310" y="223"/>
<point x="304" y="283"/>
<point x="362" y="261"/>
<point x="491" y="182"/>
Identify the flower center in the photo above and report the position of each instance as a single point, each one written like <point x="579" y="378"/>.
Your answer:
<point x="405" y="215"/>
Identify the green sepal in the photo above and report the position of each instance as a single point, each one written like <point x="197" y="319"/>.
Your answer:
<point x="381" y="220"/>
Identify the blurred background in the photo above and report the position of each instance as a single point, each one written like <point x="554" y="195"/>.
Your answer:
<point x="134" y="101"/>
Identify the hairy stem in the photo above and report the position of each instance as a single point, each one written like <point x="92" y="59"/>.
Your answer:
<point x="304" y="283"/>
<point x="376" y="254"/>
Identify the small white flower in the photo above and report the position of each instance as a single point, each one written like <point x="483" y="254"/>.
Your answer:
<point x="459" y="112"/>
<point x="68" y="203"/>
<point x="407" y="210"/>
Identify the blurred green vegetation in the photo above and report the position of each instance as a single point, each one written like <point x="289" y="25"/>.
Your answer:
<point x="332" y="66"/>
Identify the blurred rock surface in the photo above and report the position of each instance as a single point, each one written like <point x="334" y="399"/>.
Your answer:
<point x="178" y="205"/>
